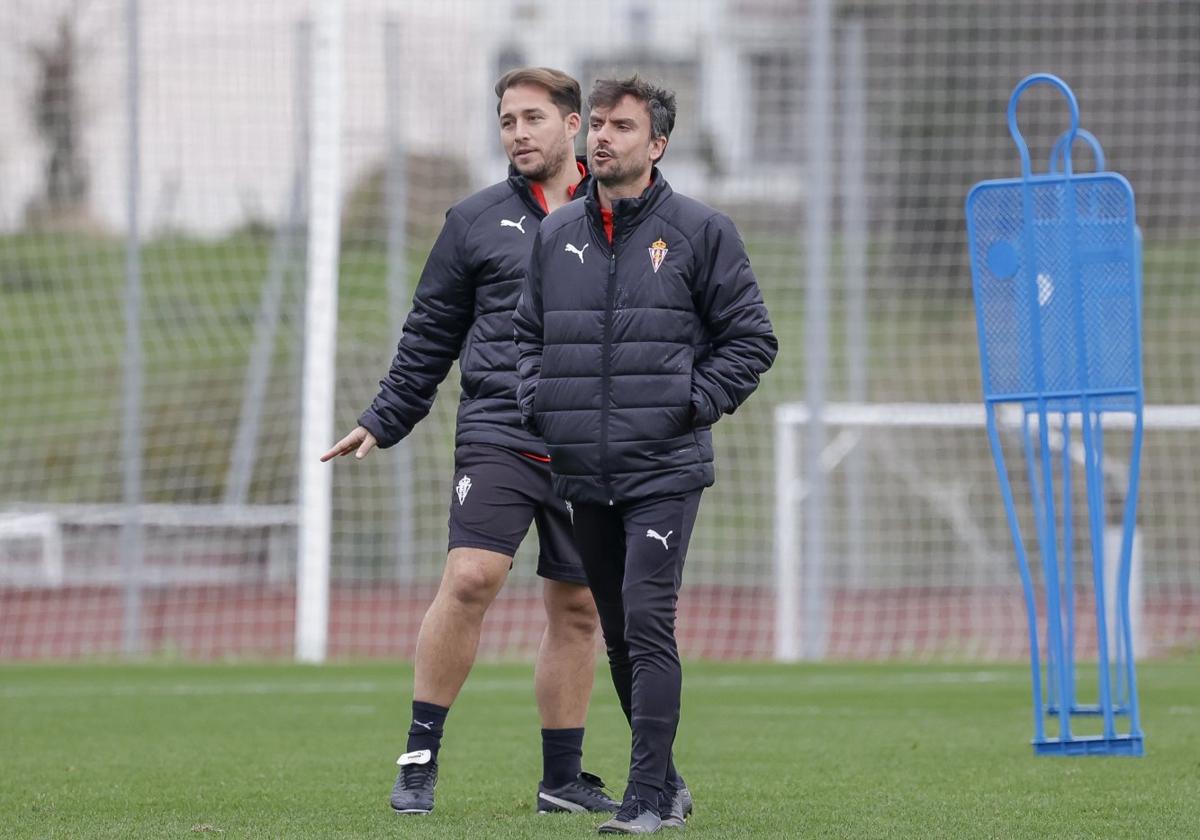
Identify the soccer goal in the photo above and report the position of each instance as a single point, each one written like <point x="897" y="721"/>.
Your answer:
<point x="908" y="553"/>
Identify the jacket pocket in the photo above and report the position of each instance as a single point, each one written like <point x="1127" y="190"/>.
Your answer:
<point x="703" y="412"/>
<point x="526" y="405"/>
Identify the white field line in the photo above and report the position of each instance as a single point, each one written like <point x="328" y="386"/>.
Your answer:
<point x="188" y="689"/>
<point x="798" y="681"/>
<point x="789" y="710"/>
<point x="866" y="680"/>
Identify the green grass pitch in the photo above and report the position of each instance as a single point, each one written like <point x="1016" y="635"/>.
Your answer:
<point x="853" y="751"/>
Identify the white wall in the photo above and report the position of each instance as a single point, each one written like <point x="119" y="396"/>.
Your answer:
<point x="218" y="85"/>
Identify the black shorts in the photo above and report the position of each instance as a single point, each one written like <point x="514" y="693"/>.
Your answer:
<point x="496" y="494"/>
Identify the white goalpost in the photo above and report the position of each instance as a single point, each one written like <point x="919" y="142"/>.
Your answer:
<point x="956" y="557"/>
<point x="320" y="336"/>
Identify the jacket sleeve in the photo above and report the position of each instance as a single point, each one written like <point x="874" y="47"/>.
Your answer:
<point x="527" y="331"/>
<point x="442" y="312"/>
<point x="730" y="306"/>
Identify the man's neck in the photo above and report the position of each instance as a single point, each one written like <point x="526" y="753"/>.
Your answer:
<point x="629" y="189"/>
<point x="554" y="189"/>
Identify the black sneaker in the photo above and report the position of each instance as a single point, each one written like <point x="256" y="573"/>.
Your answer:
<point x="633" y="818"/>
<point x="675" y="806"/>
<point x="413" y="792"/>
<point x="583" y="793"/>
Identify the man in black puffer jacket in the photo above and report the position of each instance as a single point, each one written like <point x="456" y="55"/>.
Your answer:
<point x="463" y="307"/>
<point x="640" y="325"/>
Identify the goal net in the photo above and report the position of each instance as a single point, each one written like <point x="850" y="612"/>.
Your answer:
<point x="155" y="232"/>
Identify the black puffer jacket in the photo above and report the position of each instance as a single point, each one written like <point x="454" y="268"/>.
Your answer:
<point x="463" y="304"/>
<point x="630" y="353"/>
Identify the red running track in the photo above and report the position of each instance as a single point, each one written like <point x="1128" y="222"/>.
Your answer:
<point x="716" y="622"/>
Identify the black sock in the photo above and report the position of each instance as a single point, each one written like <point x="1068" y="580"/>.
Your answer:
<point x="426" y="730"/>
<point x="562" y="753"/>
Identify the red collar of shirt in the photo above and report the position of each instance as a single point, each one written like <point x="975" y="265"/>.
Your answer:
<point x="607" y="217"/>
<point x="540" y="194"/>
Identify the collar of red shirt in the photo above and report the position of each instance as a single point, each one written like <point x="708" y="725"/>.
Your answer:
<point x="540" y="194"/>
<point x="606" y="216"/>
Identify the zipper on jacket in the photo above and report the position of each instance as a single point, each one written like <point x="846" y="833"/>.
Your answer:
<point x="606" y="370"/>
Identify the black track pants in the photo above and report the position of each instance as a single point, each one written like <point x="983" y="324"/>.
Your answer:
<point x="633" y="554"/>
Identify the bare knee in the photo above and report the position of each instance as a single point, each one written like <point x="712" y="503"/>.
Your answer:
<point x="473" y="577"/>
<point x="570" y="609"/>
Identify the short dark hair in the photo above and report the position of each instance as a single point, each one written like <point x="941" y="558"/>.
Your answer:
<point x="659" y="101"/>
<point x="564" y="91"/>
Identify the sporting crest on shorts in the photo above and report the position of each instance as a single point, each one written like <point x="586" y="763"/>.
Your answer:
<point x="658" y="253"/>
<point x="462" y="489"/>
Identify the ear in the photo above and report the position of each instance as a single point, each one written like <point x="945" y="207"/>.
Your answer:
<point x="574" y="123"/>
<point x="658" y="148"/>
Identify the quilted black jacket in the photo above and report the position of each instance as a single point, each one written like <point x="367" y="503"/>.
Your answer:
<point x="630" y="352"/>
